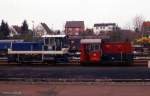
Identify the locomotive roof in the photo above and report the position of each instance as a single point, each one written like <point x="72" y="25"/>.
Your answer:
<point x="9" y="41"/>
<point x="52" y="36"/>
<point x="90" y="41"/>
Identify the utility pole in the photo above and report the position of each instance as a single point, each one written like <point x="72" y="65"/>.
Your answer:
<point x="33" y="34"/>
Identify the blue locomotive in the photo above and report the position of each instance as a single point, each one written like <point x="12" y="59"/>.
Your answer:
<point x="53" y="48"/>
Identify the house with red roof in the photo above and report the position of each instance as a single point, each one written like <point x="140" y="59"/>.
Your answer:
<point x="74" y="28"/>
<point x="146" y="28"/>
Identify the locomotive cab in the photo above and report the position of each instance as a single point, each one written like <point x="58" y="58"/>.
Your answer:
<point x="90" y="51"/>
<point x="56" y="48"/>
<point x="55" y="42"/>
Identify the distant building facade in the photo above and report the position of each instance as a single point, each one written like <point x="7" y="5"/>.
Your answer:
<point x="74" y="28"/>
<point x="146" y="28"/>
<point x="104" y="28"/>
<point x="14" y="30"/>
<point x="42" y="29"/>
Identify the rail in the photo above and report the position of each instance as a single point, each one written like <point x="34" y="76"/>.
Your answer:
<point x="73" y="80"/>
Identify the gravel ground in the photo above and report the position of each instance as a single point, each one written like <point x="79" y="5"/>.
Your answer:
<point x="86" y="89"/>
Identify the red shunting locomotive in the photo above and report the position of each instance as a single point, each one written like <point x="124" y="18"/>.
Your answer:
<point x="97" y="52"/>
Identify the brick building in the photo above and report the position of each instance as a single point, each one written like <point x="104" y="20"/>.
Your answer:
<point x="74" y="28"/>
<point x="146" y="28"/>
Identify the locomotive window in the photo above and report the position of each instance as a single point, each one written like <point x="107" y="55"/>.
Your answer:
<point x="58" y="41"/>
<point x="93" y="47"/>
<point x="51" y="42"/>
<point x="46" y="41"/>
<point x="97" y="46"/>
<point x="65" y="42"/>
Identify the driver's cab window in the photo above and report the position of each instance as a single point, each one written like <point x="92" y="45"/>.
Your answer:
<point x="93" y="47"/>
<point x="46" y="41"/>
<point x="97" y="47"/>
<point x="58" y="42"/>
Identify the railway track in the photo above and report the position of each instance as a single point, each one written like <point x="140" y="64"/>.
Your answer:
<point x="75" y="74"/>
<point x="141" y="62"/>
<point x="136" y="62"/>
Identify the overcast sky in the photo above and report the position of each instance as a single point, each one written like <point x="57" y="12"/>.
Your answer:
<point x="56" y="12"/>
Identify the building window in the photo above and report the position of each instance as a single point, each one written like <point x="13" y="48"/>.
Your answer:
<point x="77" y="29"/>
<point x="76" y="33"/>
<point x="97" y="28"/>
<point x="102" y="27"/>
<point x="109" y="27"/>
<point x="70" y="29"/>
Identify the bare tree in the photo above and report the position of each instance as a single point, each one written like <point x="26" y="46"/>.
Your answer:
<point x="137" y="23"/>
<point x="128" y="26"/>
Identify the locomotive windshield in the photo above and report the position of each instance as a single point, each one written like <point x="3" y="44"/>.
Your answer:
<point x="92" y="47"/>
<point x="91" y="44"/>
<point x="55" y="42"/>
